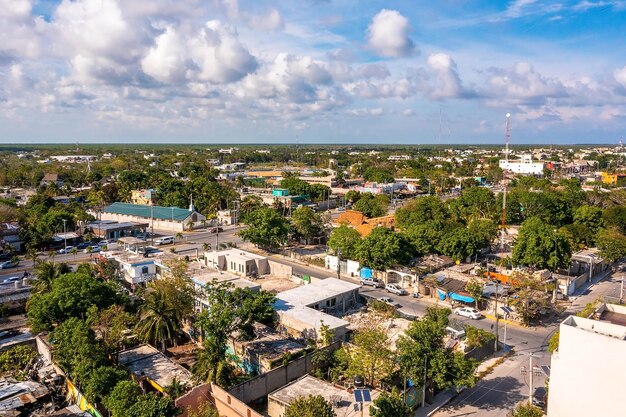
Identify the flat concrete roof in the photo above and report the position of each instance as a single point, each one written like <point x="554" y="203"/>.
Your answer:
<point x="145" y="361"/>
<point x="309" y="316"/>
<point x="343" y="402"/>
<point x="599" y="327"/>
<point x="236" y="254"/>
<point x="307" y="295"/>
<point x="205" y="277"/>
<point x="612" y="313"/>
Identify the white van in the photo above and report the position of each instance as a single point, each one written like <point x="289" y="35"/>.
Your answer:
<point x="164" y="240"/>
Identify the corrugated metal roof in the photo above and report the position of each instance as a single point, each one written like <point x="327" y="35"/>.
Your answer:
<point x="140" y="210"/>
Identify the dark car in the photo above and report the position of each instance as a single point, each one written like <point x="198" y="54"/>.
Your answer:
<point x="540" y="397"/>
<point x="83" y="245"/>
<point x="217" y="229"/>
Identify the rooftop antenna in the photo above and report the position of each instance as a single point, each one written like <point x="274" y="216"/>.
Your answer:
<point x="503" y="226"/>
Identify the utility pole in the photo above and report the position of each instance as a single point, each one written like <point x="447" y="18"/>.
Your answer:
<point x="64" y="235"/>
<point x="531" y="372"/>
<point x="555" y="266"/>
<point x="424" y="384"/>
<point x="339" y="264"/>
<point x="621" y="290"/>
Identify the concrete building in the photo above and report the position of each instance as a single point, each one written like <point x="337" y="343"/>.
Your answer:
<point x="109" y="229"/>
<point x="14" y="295"/>
<point x="145" y="197"/>
<point x="302" y="311"/>
<point x="150" y="366"/>
<point x="168" y="219"/>
<point x="342" y="401"/>
<point x="524" y="166"/>
<point x="586" y="367"/>
<point x="266" y="351"/>
<point x="328" y="180"/>
<point x="618" y="179"/>
<point x="135" y="268"/>
<point x="202" y="278"/>
<point x="227" y="217"/>
<point x="238" y="262"/>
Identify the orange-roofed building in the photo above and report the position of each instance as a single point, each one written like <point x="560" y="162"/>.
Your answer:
<point x="351" y="218"/>
<point x="362" y="224"/>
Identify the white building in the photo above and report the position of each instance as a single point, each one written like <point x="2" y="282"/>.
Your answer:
<point x="587" y="367"/>
<point x="524" y="166"/>
<point x="302" y="311"/>
<point x="237" y="262"/>
<point x="204" y="277"/>
<point x="135" y="268"/>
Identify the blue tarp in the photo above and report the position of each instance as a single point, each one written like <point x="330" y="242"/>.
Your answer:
<point x="366" y="273"/>
<point x="442" y="295"/>
<point x="463" y="298"/>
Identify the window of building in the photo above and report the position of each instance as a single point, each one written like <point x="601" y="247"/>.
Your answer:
<point x="144" y="270"/>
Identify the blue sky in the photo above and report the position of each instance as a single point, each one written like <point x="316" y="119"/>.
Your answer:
<point x="322" y="71"/>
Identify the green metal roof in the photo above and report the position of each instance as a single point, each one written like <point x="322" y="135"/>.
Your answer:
<point x="140" y="210"/>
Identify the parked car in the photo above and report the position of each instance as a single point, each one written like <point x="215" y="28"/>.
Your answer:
<point x="372" y="282"/>
<point x="65" y="250"/>
<point x="469" y="312"/>
<point x="8" y="264"/>
<point x="11" y="279"/>
<point x="164" y="240"/>
<point x="539" y="397"/>
<point x="216" y="229"/>
<point x="143" y="236"/>
<point x="92" y="249"/>
<point x="396" y="289"/>
<point x="107" y="242"/>
<point x="83" y="245"/>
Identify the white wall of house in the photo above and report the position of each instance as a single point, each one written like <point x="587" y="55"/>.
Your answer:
<point x="139" y="273"/>
<point x="586" y="369"/>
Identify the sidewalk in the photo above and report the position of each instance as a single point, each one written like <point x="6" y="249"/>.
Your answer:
<point x="444" y="397"/>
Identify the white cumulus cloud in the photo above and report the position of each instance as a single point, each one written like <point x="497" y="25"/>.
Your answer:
<point x="388" y="34"/>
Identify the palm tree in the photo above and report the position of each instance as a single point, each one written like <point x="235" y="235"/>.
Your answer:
<point x="46" y="273"/>
<point x="212" y="364"/>
<point x="32" y="255"/>
<point x="179" y="235"/>
<point x="176" y="388"/>
<point x="158" y="320"/>
<point x="190" y="225"/>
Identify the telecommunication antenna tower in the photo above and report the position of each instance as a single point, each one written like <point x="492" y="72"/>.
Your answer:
<point x="503" y="225"/>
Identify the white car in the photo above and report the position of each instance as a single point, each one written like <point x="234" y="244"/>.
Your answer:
<point x="394" y="288"/>
<point x="65" y="250"/>
<point x="468" y="312"/>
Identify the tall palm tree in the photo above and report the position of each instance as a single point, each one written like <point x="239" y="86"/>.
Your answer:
<point x="46" y="273"/>
<point x="158" y="320"/>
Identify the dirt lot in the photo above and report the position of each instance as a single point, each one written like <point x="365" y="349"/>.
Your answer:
<point x="275" y="284"/>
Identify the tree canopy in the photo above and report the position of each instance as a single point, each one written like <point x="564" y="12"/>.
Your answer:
<point x="535" y="246"/>
<point x="266" y="228"/>
<point x="311" y="406"/>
